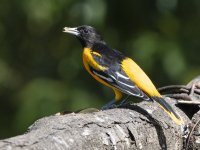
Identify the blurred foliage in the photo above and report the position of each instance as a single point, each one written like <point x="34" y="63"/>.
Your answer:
<point x="41" y="69"/>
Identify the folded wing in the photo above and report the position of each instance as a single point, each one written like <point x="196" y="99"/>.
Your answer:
<point x="119" y="80"/>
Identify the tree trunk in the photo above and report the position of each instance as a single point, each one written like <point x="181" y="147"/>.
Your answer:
<point x="136" y="126"/>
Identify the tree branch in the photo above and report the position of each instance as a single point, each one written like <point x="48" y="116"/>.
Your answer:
<point x="136" y="126"/>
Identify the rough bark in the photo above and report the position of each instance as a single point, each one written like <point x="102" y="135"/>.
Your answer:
<point x="139" y="126"/>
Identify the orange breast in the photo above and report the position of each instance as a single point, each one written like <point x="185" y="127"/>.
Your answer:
<point x="89" y="61"/>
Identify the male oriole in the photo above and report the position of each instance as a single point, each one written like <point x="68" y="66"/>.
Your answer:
<point x="113" y="69"/>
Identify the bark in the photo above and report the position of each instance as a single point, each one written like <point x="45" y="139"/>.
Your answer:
<point x="136" y="126"/>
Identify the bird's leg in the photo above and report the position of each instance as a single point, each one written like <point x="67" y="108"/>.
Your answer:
<point x="112" y="104"/>
<point x="123" y="101"/>
<point x="109" y="105"/>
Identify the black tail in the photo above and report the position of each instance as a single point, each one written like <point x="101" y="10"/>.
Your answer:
<point x="168" y="109"/>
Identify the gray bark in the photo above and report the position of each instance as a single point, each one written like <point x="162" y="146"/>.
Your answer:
<point x="139" y="126"/>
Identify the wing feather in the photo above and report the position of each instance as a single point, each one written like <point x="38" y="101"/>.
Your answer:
<point x="114" y="75"/>
<point x="121" y="82"/>
<point x="127" y="86"/>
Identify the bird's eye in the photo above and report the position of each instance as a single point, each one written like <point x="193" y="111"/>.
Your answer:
<point x="85" y="31"/>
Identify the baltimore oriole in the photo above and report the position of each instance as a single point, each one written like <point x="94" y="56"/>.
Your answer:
<point x="113" y="69"/>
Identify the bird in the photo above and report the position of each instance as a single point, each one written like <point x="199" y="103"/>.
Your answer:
<point x="117" y="71"/>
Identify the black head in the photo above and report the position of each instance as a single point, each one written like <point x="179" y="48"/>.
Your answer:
<point x="86" y="34"/>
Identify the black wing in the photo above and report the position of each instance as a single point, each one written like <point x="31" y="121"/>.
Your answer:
<point x="120" y="81"/>
<point x="114" y="76"/>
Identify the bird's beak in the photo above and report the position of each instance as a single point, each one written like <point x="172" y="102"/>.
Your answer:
<point x="73" y="31"/>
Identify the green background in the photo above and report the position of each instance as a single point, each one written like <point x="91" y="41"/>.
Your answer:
<point x="41" y="70"/>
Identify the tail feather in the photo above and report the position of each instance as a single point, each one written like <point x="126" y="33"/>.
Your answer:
<point x="168" y="109"/>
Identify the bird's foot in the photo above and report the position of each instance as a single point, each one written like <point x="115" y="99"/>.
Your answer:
<point x="109" y="105"/>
